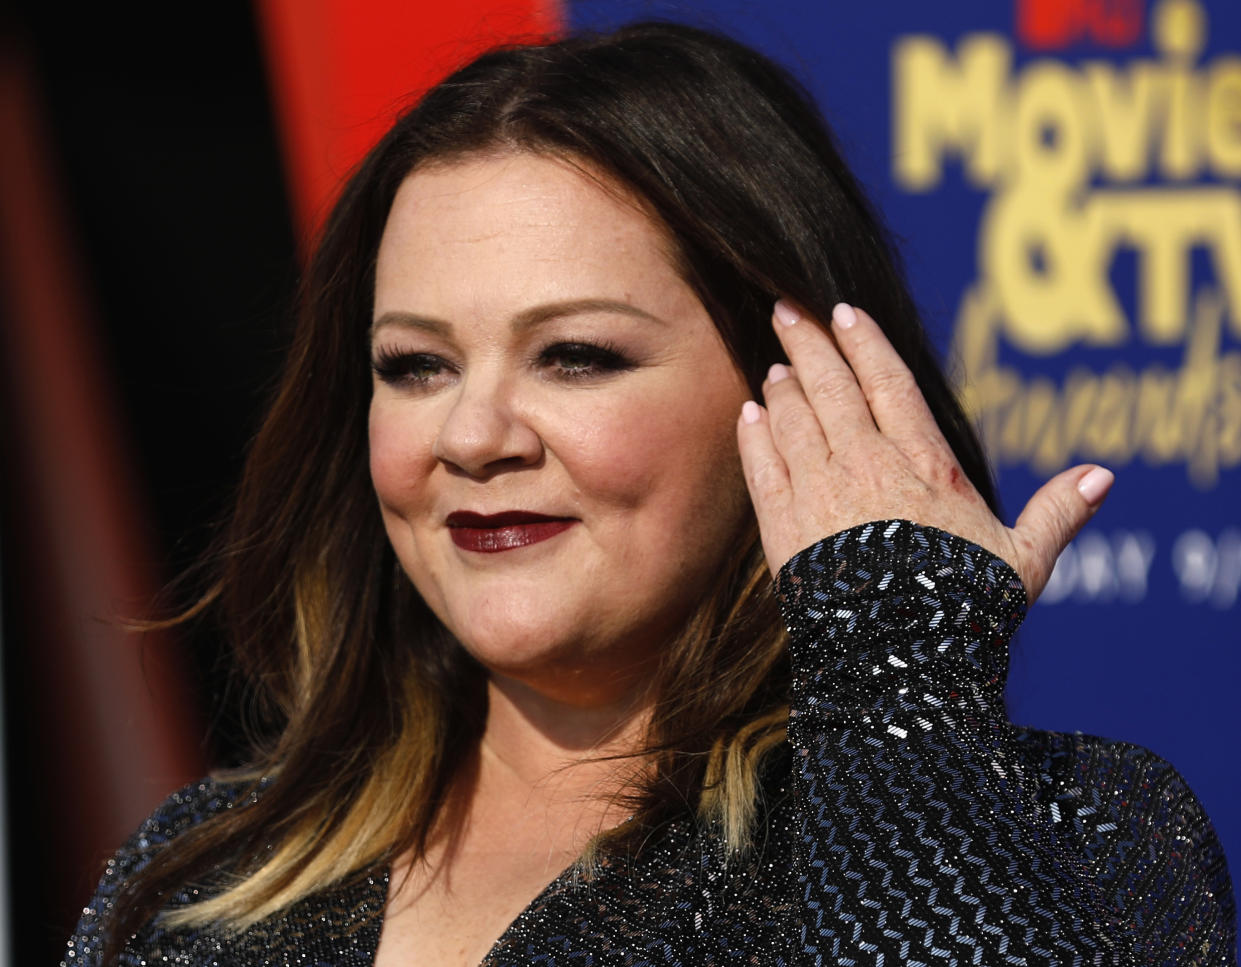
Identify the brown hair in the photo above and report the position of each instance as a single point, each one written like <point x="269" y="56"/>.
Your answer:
<point x="354" y="673"/>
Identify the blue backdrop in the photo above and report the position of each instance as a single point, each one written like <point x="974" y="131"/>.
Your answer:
<point x="1067" y="187"/>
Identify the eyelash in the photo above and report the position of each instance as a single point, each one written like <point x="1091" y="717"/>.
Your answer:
<point x="591" y="361"/>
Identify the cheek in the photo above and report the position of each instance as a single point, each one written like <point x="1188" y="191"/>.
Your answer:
<point x="400" y="465"/>
<point x="607" y="459"/>
<point x="659" y="450"/>
<point x="400" y="455"/>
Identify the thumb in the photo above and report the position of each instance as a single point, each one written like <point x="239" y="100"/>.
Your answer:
<point x="1052" y="518"/>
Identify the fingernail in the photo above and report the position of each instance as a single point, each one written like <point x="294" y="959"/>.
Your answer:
<point x="750" y="412"/>
<point x="777" y="372"/>
<point x="1095" y="485"/>
<point x="843" y="315"/>
<point x="785" y="313"/>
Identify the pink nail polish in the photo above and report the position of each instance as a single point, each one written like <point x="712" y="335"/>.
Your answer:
<point x="777" y="373"/>
<point x="1095" y="485"/>
<point x="750" y="412"/>
<point x="844" y="315"/>
<point x="785" y="313"/>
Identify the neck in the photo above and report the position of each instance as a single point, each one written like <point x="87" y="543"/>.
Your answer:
<point x="544" y="778"/>
<point x="554" y="748"/>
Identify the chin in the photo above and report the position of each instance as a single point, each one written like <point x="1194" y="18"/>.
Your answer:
<point x="512" y="648"/>
<point x="566" y="671"/>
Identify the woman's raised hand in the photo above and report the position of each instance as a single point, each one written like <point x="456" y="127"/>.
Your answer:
<point x="847" y="437"/>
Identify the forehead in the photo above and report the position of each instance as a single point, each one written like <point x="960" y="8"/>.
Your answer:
<point x="536" y="220"/>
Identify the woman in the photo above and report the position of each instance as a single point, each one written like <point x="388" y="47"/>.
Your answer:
<point x="501" y="563"/>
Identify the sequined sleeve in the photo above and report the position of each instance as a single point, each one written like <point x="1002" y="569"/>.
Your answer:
<point x="922" y="836"/>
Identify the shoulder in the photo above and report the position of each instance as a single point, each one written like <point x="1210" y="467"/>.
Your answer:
<point x="186" y="808"/>
<point x="191" y="805"/>
<point x="1146" y="838"/>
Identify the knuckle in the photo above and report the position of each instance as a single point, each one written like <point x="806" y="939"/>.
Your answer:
<point x="795" y="421"/>
<point x="892" y="382"/>
<point x="832" y="386"/>
<point x="766" y="477"/>
<point x="1066" y="521"/>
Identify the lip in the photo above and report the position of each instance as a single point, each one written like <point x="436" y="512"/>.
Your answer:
<point x="506" y="531"/>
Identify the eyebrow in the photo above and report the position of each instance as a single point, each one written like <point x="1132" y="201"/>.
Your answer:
<point x="526" y="319"/>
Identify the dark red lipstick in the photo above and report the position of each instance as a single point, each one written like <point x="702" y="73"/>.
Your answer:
<point x="491" y="533"/>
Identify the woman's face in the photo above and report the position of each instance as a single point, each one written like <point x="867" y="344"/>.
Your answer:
<point x="552" y="431"/>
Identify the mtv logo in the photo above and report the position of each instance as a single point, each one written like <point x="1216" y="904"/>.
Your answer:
<point x="1053" y="24"/>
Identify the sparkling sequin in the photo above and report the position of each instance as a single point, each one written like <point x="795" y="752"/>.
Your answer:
<point x="907" y="822"/>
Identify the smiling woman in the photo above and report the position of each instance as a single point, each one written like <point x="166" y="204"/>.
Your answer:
<point x="571" y="377"/>
<point x="502" y="569"/>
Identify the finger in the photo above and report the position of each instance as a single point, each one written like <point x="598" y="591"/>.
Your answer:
<point x="896" y="402"/>
<point x="795" y="429"/>
<point x="1052" y="518"/>
<point x="766" y="478"/>
<point x="826" y="379"/>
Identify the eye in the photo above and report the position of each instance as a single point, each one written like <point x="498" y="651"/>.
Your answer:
<point x="580" y="360"/>
<point x="405" y="369"/>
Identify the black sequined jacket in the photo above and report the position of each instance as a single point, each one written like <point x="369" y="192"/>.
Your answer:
<point x="913" y="825"/>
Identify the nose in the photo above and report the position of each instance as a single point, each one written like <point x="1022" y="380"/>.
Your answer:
<point x="484" y="432"/>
